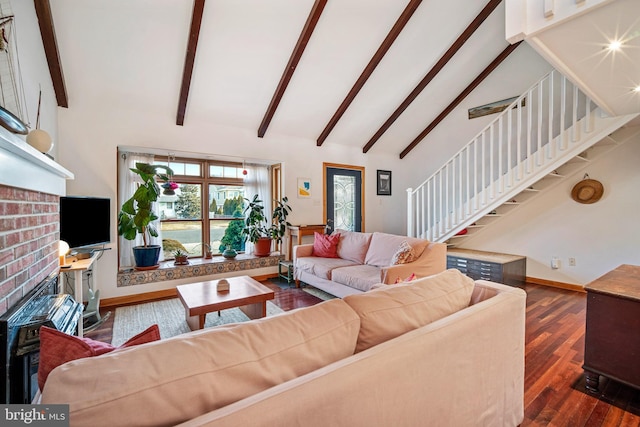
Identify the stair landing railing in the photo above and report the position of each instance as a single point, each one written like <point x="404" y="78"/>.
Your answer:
<point x="533" y="130"/>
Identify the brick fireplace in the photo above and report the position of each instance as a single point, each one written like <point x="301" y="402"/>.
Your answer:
<point x="31" y="184"/>
<point x="29" y="232"/>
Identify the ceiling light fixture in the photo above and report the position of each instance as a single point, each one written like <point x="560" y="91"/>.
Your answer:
<point x="637" y="89"/>
<point x="614" y="45"/>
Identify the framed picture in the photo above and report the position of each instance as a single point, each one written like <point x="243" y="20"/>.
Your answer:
<point x="304" y="188"/>
<point x="384" y="183"/>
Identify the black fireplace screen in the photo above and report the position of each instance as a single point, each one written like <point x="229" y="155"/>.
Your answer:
<point x="20" y="339"/>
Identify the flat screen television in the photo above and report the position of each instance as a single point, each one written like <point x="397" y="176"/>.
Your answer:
<point x="85" y="221"/>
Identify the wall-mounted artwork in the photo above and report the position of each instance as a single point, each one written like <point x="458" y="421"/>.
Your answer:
<point x="304" y="187"/>
<point x="384" y="183"/>
<point x="493" y="108"/>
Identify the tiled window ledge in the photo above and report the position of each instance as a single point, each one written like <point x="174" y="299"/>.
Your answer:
<point x="197" y="267"/>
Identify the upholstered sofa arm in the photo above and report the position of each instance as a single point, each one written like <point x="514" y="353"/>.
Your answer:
<point x="432" y="261"/>
<point x="302" y="251"/>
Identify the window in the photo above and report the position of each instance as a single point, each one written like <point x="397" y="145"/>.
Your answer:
<point x="207" y="206"/>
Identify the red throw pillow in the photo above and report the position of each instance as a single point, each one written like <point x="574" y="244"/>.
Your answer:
<point x="325" y="245"/>
<point x="57" y="348"/>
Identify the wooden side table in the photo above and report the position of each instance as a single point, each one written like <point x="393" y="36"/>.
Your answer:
<point x="298" y="231"/>
<point x="612" y="336"/>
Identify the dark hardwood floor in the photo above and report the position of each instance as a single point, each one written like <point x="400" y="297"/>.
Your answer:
<point x="554" y="384"/>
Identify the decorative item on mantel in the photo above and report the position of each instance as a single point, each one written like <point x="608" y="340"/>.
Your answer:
<point x="37" y="138"/>
<point x="12" y="95"/>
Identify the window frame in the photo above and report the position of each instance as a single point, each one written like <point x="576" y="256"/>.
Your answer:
<point x="204" y="180"/>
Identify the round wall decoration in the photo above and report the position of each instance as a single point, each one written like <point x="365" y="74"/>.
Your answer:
<point x="587" y="191"/>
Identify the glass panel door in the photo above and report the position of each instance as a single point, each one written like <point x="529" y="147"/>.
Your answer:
<point x="343" y="189"/>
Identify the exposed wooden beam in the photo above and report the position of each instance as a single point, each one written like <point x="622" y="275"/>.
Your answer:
<point x="48" y="34"/>
<point x="307" y="31"/>
<point x="189" y="60"/>
<point x="460" y="41"/>
<point x="503" y="55"/>
<point x="369" y="69"/>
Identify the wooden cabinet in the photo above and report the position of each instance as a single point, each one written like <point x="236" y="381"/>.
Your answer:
<point x="612" y="336"/>
<point x="496" y="267"/>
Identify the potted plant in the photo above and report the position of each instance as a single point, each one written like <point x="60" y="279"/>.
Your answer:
<point x="208" y="253"/>
<point x="180" y="257"/>
<point x="136" y="214"/>
<point x="257" y="228"/>
<point x="206" y="249"/>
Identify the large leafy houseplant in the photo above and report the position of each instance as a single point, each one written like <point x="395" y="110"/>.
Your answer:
<point x="136" y="214"/>
<point x="258" y="230"/>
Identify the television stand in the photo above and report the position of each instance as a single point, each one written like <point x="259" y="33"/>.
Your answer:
<point x="77" y="266"/>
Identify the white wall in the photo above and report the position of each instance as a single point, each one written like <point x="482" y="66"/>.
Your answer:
<point x="599" y="236"/>
<point x="91" y="137"/>
<point x="35" y="72"/>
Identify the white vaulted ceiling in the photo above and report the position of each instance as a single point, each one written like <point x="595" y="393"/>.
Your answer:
<point x="130" y="54"/>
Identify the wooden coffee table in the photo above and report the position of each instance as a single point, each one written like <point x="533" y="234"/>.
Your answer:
<point x="202" y="298"/>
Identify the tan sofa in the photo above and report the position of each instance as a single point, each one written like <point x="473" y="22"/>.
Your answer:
<point x="365" y="259"/>
<point x="361" y="360"/>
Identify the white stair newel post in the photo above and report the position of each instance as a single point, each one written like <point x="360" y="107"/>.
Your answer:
<point x="409" y="213"/>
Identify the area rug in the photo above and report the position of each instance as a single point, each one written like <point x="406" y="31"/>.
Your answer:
<point x="170" y="317"/>
<point x="318" y="293"/>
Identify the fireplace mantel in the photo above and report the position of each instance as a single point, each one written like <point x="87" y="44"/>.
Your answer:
<point x="23" y="166"/>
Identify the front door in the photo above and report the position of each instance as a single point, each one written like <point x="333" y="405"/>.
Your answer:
<point x="344" y="197"/>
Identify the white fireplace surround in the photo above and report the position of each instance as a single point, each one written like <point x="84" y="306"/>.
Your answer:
<point x="23" y="166"/>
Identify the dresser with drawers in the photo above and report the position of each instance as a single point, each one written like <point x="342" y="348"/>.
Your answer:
<point x="496" y="267"/>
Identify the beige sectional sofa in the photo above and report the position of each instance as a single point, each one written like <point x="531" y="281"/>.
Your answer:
<point x="365" y="259"/>
<point x="439" y="351"/>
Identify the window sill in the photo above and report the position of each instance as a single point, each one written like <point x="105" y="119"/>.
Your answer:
<point x="197" y="267"/>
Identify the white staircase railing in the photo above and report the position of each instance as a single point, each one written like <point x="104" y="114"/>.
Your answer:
<point x="547" y="122"/>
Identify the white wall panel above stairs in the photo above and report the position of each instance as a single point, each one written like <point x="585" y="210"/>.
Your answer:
<point x="535" y="142"/>
<point x="572" y="171"/>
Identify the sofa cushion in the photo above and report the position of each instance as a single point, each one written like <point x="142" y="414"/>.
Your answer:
<point x="173" y="380"/>
<point x="57" y="348"/>
<point x="353" y="245"/>
<point x="404" y="254"/>
<point x="325" y="245"/>
<point x="388" y="312"/>
<point x="321" y="267"/>
<point x="383" y="246"/>
<point x="361" y="277"/>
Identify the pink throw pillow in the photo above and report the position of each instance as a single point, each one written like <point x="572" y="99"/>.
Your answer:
<point x="57" y="348"/>
<point x="325" y="245"/>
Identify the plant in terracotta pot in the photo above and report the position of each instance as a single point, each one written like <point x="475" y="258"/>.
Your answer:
<point x="258" y="230"/>
<point x="136" y="214"/>
<point x="208" y="253"/>
<point x="206" y="249"/>
<point x="181" y="257"/>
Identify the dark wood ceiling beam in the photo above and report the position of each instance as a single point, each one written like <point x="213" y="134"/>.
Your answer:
<point x="50" y="44"/>
<point x="453" y="49"/>
<point x="298" y="50"/>
<point x="369" y="69"/>
<point x="189" y="60"/>
<point x="503" y="55"/>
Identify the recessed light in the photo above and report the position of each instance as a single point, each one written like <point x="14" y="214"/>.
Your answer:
<point x="615" y="45"/>
<point x="637" y="89"/>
